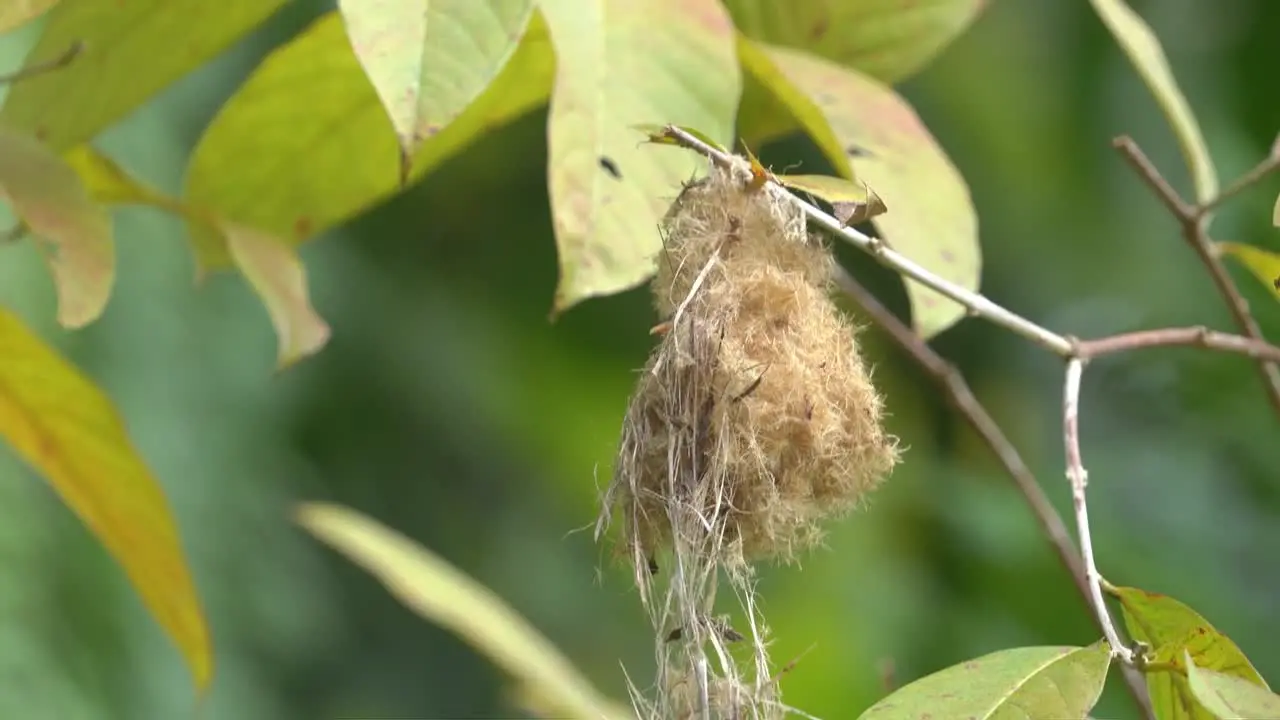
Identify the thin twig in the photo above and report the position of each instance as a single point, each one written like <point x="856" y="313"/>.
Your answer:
<point x="973" y="412"/>
<point x="1079" y="478"/>
<point x="1169" y="337"/>
<point x="975" y="303"/>
<point x="55" y="63"/>
<point x="1193" y="220"/>
<point x="1245" y="181"/>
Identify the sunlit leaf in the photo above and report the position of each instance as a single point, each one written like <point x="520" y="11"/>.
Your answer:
<point x="932" y="219"/>
<point x="853" y="202"/>
<point x="14" y="13"/>
<point x="62" y="425"/>
<point x="1263" y="264"/>
<point x="1275" y="214"/>
<point x="437" y="591"/>
<point x="887" y="39"/>
<point x="767" y="91"/>
<point x="429" y="59"/>
<point x="132" y="50"/>
<point x="110" y="184"/>
<point x="1033" y="683"/>
<point x="1144" y="51"/>
<point x="1170" y="628"/>
<point x="48" y="196"/>
<point x="618" y="66"/>
<point x="277" y="275"/>
<point x="304" y="144"/>
<point x="659" y="135"/>
<point x="1228" y="697"/>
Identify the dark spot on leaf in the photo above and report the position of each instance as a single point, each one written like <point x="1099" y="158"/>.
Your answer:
<point x="42" y="133"/>
<point x="1276" y="282"/>
<point x="610" y="167"/>
<point x="431" y="131"/>
<point x="858" y="151"/>
<point x="302" y="227"/>
<point x="819" y="29"/>
<point x="948" y="256"/>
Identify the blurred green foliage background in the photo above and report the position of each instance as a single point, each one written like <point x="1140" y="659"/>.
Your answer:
<point x="449" y="408"/>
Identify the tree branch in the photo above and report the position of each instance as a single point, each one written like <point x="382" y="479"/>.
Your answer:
<point x="1171" y="337"/>
<point x="1079" y="478"/>
<point x="975" y="303"/>
<point x="1193" y="220"/>
<point x="970" y="408"/>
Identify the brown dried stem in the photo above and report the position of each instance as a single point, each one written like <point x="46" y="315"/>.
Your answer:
<point x="1193" y="220"/>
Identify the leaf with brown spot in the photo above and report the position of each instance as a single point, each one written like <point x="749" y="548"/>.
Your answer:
<point x="64" y="427"/>
<point x="429" y="59"/>
<point x="887" y="39"/>
<point x="933" y="221"/>
<point x="1169" y="627"/>
<point x="621" y="63"/>
<point x="1030" y="682"/>
<point x="72" y="231"/>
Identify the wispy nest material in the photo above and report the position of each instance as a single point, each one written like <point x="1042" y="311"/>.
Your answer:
<point x="753" y="421"/>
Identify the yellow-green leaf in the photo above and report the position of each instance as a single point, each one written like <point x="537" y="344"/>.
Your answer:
<point x="887" y="39"/>
<point x="1031" y="682"/>
<point x="772" y="104"/>
<point x="1263" y="264"/>
<point x="1275" y="214"/>
<point x="1170" y="628"/>
<point x="1228" y="697"/>
<point x="14" y="13"/>
<point x="437" y="591"/>
<point x="277" y="275"/>
<point x="853" y="202"/>
<point x="62" y="425"/>
<point x="271" y="266"/>
<point x="304" y="144"/>
<point x="932" y="220"/>
<point x="429" y="59"/>
<point x="621" y="63"/>
<point x="1146" y="54"/>
<point x="132" y="50"/>
<point x="49" y="198"/>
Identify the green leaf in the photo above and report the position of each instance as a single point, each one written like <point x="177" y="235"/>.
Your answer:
<point x="132" y="50"/>
<point x="933" y="221"/>
<point x="429" y="59"/>
<point x="853" y="202"/>
<point x="49" y="198"/>
<point x="1030" y="683"/>
<point x="62" y="425"/>
<point x="1144" y="51"/>
<point x="1275" y="214"/>
<point x="1228" y="697"/>
<point x="277" y="275"/>
<point x="1263" y="264"/>
<point x="305" y="145"/>
<point x="271" y="266"/>
<point x="437" y="591"/>
<point x="15" y="13"/>
<point x="1170" y="628"/>
<point x="619" y="66"/>
<point x="766" y="91"/>
<point x="887" y="39"/>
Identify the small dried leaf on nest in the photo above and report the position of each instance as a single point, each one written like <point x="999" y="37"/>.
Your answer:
<point x="755" y="418"/>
